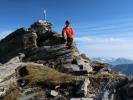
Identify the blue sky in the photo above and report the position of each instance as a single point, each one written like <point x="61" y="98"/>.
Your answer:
<point x="102" y="27"/>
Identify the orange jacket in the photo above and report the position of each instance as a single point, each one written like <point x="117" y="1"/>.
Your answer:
<point x="68" y="31"/>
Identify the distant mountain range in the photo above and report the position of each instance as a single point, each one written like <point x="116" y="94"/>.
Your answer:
<point x="120" y="64"/>
<point x="113" y="61"/>
<point x="124" y="68"/>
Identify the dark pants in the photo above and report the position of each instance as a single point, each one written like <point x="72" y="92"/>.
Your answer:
<point x="69" y="42"/>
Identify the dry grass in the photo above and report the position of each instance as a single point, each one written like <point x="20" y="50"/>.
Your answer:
<point x="39" y="74"/>
<point x="113" y="74"/>
<point x="13" y="93"/>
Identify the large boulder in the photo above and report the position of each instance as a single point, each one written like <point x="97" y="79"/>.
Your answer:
<point x="12" y="45"/>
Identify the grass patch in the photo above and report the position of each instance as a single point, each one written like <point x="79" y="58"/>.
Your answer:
<point x="113" y="74"/>
<point x="40" y="74"/>
<point x="13" y="93"/>
<point x="11" y="86"/>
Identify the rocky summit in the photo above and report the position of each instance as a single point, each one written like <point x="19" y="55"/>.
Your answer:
<point x="36" y="64"/>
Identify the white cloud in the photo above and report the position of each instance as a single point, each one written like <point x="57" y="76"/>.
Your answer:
<point x="99" y="39"/>
<point x="83" y="39"/>
<point x="112" y="38"/>
<point x="105" y="46"/>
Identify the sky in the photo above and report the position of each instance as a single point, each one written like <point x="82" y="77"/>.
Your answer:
<point x="103" y="28"/>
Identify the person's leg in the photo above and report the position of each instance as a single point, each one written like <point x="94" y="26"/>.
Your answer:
<point x="69" y="42"/>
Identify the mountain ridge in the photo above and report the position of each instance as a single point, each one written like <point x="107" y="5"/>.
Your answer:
<point x="124" y="68"/>
<point x="41" y="66"/>
<point x="113" y="61"/>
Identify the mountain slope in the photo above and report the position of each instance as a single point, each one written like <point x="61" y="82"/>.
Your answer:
<point x="121" y="61"/>
<point x="113" y="61"/>
<point x="124" y="68"/>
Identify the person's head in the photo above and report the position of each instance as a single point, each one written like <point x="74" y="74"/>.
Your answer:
<point x="67" y="22"/>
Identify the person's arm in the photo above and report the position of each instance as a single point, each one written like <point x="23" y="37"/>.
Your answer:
<point x="72" y="32"/>
<point x="64" y="33"/>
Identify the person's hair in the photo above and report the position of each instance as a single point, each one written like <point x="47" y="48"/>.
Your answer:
<point x="67" y="22"/>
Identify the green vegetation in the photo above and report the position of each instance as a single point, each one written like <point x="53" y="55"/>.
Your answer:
<point x="39" y="74"/>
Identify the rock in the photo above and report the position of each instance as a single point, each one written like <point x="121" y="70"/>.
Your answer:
<point x="125" y="89"/>
<point x="39" y="42"/>
<point x="2" y="91"/>
<point x="1" y="80"/>
<point x="61" y="73"/>
<point x="78" y="91"/>
<point x="12" y="43"/>
<point x="70" y="68"/>
<point x="31" y="90"/>
<point x="85" y="86"/>
<point x="14" y="60"/>
<point x="85" y="57"/>
<point x="97" y="66"/>
<point x="80" y="73"/>
<point x="29" y="40"/>
<point x="60" y="97"/>
<point x="81" y="87"/>
<point x="23" y="39"/>
<point x="41" y="26"/>
<point x="7" y="72"/>
<point x="84" y="64"/>
<point x="53" y="93"/>
<point x="21" y="71"/>
<point x="81" y="99"/>
<point x="34" y="93"/>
